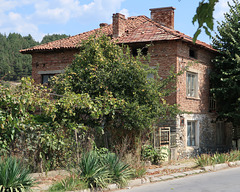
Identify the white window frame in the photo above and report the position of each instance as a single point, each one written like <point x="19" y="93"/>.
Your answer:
<point x="192" y="84"/>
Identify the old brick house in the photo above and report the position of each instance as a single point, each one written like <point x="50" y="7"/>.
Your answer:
<point x="196" y="129"/>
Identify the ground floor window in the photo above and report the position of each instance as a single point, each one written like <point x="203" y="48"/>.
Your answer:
<point x="46" y="78"/>
<point x="191" y="133"/>
<point x="220" y="133"/>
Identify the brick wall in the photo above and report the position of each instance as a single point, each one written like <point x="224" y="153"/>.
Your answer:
<point x="118" y="24"/>
<point x="164" y="16"/>
<point x="200" y="66"/>
<point x="49" y="62"/>
<point x="164" y="54"/>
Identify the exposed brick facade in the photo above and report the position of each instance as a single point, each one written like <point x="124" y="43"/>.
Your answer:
<point x="169" y="49"/>
<point x="118" y="24"/>
<point x="164" y="16"/>
<point x="50" y="62"/>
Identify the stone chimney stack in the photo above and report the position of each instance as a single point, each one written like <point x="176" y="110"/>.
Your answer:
<point x="119" y="21"/>
<point x="164" y="16"/>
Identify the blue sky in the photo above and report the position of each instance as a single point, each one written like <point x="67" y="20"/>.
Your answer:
<point x="71" y="17"/>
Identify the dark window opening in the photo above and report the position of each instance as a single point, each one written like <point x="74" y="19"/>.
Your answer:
<point x="192" y="53"/>
<point x="144" y="51"/>
<point x="46" y="78"/>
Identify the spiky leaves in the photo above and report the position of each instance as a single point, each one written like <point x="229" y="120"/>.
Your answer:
<point x="14" y="176"/>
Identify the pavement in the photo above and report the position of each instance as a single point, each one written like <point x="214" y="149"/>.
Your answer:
<point x="153" y="174"/>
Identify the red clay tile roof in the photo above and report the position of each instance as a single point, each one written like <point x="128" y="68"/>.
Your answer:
<point x="138" y="29"/>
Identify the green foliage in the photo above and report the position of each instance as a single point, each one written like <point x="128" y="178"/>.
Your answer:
<point x="225" y="76"/>
<point x="217" y="158"/>
<point x="149" y="153"/>
<point x="204" y="17"/>
<point x="91" y="170"/>
<point x="139" y="172"/>
<point x="99" y="169"/>
<point x="41" y="140"/>
<point x="120" y="98"/>
<point x="71" y="183"/>
<point x="13" y="64"/>
<point x="119" y="171"/>
<point x="13" y="175"/>
<point x="53" y="37"/>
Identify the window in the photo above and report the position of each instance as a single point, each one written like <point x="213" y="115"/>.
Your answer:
<point x="192" y="84"/>
<point x="192" y="53"/>
<point x="143" y="50"/>
<point x="46" y="78"/>
<point x="220" y="134"/>
<point x="191" y="133"/>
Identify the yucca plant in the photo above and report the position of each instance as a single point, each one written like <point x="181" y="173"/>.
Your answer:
<point x="92" y="170"/>
<point x="14" y="176"/>
<point x="120" y="171"/>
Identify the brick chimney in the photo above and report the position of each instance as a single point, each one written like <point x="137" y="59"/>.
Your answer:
<point x="164" y="16"/>
<point x="102" y="25"/>
<point x="119" y="21"/>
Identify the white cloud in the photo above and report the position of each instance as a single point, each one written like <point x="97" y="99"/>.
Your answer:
<point x="51" y="12"/>
<point x="7" y="5"/>
<point x="221" y="8"/>
<point x="125" y="12"/>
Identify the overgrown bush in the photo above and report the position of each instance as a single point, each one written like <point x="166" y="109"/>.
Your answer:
<point x="14" y="176"/>
<point x="149" y="153"/>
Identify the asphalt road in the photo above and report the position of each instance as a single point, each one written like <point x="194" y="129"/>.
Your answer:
<point x="227" y="180"/>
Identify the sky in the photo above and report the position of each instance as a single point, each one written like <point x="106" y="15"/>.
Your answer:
<point x="71" y="17"/>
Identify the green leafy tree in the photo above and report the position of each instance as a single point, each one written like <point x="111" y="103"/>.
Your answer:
<point x="226" y="72"/>
<point x="53" y="37"/>
<point x="13" y="64"/>
<point x="204" y="17"/>
<point x="126" y="101"/>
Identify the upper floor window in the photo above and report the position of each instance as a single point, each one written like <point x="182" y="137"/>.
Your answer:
<point x="192" y="53"/>
<point x="192" y="84"/>
<point x="143" y="50"/>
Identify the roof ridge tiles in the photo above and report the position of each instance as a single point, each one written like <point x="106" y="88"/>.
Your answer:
<point x="133" y="25"/>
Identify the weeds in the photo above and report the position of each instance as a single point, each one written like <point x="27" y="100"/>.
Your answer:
<point x="69" y="184"/>
<point x="217" y="158"/>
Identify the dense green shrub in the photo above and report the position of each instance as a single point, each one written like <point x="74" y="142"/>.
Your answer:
<point x="149" y="153"/>
<point x="13" y="175"/>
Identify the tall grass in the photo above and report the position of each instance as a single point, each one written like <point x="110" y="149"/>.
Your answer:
<point x="217" y="158"/>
